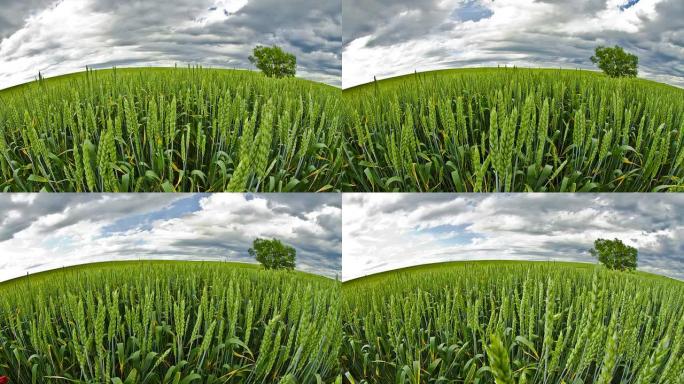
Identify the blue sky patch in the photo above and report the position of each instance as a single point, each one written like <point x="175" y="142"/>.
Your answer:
<point x="629" y="4"/>
<point x="178" y="208"/>
<point x="451" y="234"/>
<point x="59" y="243"/>
<point x="471" y="10"/>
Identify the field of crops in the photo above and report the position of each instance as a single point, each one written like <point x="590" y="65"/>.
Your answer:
<point x="513" y="322"/>
<point x="514" y="130"/>
<point x="169" y="322"/>
<point x="170" y="129"/>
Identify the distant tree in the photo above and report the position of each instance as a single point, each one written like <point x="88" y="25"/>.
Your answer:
<point x="273" y="61"/>
<point x="273" y="254"/>
<point x="615" y="62"/>
<point x="614" y="254"/>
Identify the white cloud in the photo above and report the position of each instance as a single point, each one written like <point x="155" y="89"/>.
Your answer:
<point x="64" y="36"/>
<point x="27" y="198"/>
<point x="42" y="43"/>
<point x="62" y="229"/>
<point x="525" y="33"/>
<point x="388" y="231"/>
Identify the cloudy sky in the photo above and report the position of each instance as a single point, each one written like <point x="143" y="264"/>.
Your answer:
<point x="391" y="37"/>
<point x="63" y="36"/>
<point x="388" y="231"/>
<point x="45" y="231"/>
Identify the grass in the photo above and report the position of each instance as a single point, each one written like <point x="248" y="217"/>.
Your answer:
<point x="512" y="322"/>
<point x="170" y="129"/>
<point x="169" y="322"/>
<point x="512" y="129"/>
<point x="480" y="130"/>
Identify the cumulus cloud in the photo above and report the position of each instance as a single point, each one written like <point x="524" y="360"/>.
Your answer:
<point x="40" y="232"/>
<point x="386" y="38"/>
<point x="62" y="36"/>
<point x="388" y="231"/>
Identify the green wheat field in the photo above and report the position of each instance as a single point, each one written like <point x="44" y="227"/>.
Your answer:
<point x="512" y="323"/>
<point x="195" y="129"/>
<point x="169" y="322"/>
<point x="511" y="129"/>
<point x="170" y="129"/>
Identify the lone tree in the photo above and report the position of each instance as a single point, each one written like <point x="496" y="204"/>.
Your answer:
<point x="273" y="61"/>
<point x="614" y="254"/>
<point x="615" y="62"/>
<point x="273" y="254"/>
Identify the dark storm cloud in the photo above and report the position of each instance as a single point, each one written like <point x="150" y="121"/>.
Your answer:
<point x="550" y="33"/>
<point x="14" y="13"/>
<point x="219" y="33"/>
<point x="405" y="229"/>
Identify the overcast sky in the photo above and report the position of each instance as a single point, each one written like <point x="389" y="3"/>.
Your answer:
<point x="63" y="36"/>
<point x="387" y="231"/>
<point x="46" y="231"/>
<point x="392" y="37"/>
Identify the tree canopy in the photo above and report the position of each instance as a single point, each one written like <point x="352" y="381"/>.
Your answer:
<point x="273" y="254"/>
<point x="615" y="62"/>
<point x="273" y="61"/>
<point x="614" y="254"/>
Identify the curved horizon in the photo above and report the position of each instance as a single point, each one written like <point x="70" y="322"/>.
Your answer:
<point x="395" y="230"/>
<point x="435" y="264"/>
<point x="438" y="70"/>
<point x="47" y="231"/>
<point x="385" y="38"/>
<point x="83" y="71"/>
<point x="55" y="37"/>
<point x="94" y="264"/>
